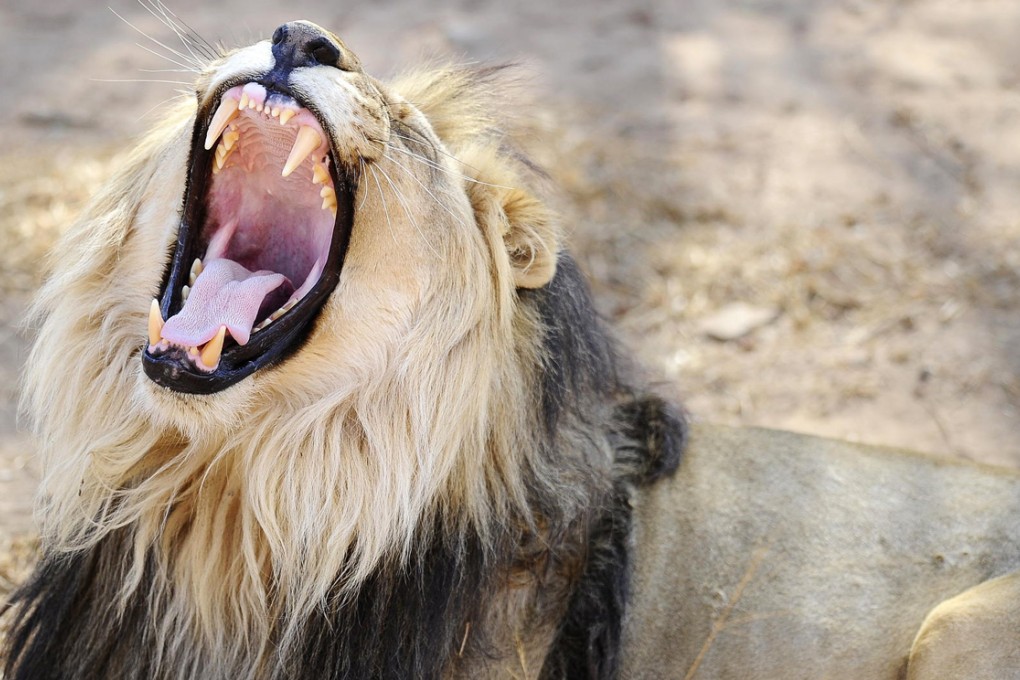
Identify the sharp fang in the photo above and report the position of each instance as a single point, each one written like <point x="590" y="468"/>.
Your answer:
<point x="211" y="352"/>
<point x="286" y="115"/>
<point x="196" y="269"/>
<point x="307" y="141"/>
<point x="155" y="323"/>
<point x="224" y="114"/>
<point x="319" y="174"/>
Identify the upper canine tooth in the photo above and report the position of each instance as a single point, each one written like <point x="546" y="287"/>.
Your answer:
<point x="210" y="354"/>
<point x="286" y="115"/>
<point x="224" y="114"/>
<point x="307" y="141"/>
<point x="155" y="323"/>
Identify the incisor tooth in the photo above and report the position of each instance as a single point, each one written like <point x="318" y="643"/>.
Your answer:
<point x="286" y="115"/>
<point x="319" y="174"/>
<point x="307" y="141"/>
<point x="275" y="112"/>
<point x="212" y="350"/>
<point x="224" y="114"/>
<point x="155" y="323"/>
<point x="185" y="292"/>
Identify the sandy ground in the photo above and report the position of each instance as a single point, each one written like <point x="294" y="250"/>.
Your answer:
<point x="829" y="186"/>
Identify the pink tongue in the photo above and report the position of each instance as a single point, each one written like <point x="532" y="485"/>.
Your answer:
<point x="224" y="294"/>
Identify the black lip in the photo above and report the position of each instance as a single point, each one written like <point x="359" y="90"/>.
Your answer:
<point x="172" y="369"/>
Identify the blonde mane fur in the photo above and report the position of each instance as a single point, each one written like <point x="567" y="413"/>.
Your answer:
<point x="406" y="406"/>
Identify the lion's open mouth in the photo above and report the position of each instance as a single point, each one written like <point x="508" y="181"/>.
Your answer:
<point x="266" y="222"/>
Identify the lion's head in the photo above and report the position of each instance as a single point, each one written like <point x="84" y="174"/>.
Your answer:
<point x="307" y="334"/>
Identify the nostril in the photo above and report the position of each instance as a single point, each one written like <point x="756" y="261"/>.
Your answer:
<point x="279" y="34"/>
<point x="324" y="51"/>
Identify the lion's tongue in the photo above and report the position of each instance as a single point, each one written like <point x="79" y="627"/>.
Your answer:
<point x="224" y="294"/>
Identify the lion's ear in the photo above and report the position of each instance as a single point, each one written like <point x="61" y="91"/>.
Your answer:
<point x="532" y="239"/>
<point x="506" y="207"/>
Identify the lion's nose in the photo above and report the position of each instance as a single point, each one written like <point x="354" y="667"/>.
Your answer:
<point x="302" y="43"/>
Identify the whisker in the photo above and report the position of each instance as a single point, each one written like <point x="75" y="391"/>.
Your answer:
<point x="138" y="80"/>
<point x="164" y="103"/>
<point x="442" y="205"/>
<point x="382" y="197"/>
<point x="448" y="155"/>
<point x="207" y="48"/>
<point x="166" y="58"/>
<point x="169" y="49"/>
<point x="172" y="26"/>
<point x="186" y="33"/>
<point x="454" y="173"/>
<point x="407" y="210"/>
<point x="364" y="197"/>
<point x="165" y="70"/>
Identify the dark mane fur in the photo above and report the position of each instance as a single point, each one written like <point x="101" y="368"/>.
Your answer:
<point x="411" y="621"/>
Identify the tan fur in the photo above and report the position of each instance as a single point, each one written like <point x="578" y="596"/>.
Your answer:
<point x="774" y="556"/>
<point x="767" y="556"/>
<point x="293" y="476"/>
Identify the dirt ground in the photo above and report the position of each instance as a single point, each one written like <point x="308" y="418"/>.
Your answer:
<point x="800" y="214"/>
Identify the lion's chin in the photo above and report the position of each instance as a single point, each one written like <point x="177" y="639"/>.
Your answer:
<point x="267" y="218"/>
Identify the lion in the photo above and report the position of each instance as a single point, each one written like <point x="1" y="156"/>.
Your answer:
<point x="320" y="393"/>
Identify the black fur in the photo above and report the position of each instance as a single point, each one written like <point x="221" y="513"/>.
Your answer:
<point x="648" y="436"/>
<point x="410" y="621"/>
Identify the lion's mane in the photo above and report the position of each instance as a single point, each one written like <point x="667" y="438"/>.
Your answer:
<point x="436" y="480"/>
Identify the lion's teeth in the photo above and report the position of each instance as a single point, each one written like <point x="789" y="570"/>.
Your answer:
<point x="224" y="114"/>
<point x="230" y="138"/>
<point x="244" y="101"/>
<point x="155" y="323"/>
<point x="196" y="269"/>
<point x="319" y="174"/>
<point x="307" y="141"/>
<point x="286" y="115"/>
<point x="211" y="352"/>
<point x="185" y="292"/>
<point x="328" y="199"/>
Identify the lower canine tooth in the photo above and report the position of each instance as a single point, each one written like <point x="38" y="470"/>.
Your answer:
<point x="155" y="323"/>
<point x="211" y="352"/>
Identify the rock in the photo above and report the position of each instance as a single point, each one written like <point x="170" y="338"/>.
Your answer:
<point x="736" y="320"/>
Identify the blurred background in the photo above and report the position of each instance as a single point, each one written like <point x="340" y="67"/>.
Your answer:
<point x="799" y="214"/>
